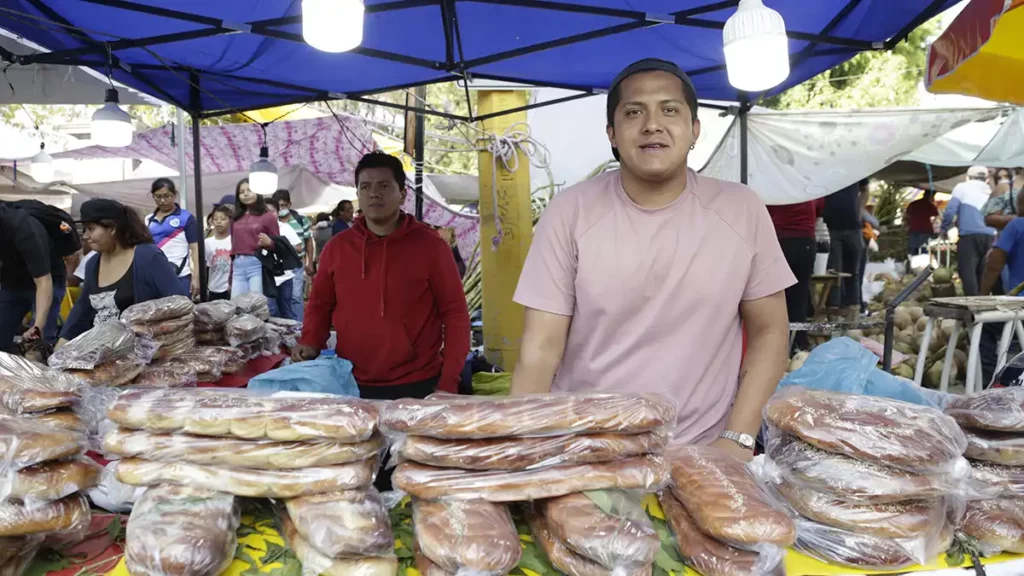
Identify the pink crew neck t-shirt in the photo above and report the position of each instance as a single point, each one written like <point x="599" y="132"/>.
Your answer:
<point x="654" y="295"/>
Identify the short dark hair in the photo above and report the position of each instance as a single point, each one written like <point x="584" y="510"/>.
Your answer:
<point x="282" y="194"/>
<point x="161" y="183"/>
<point x="379" y="159"/>
<point x="273" y="203"/>
<point x="323" y="217"/>
<point x="615" y="97"/>
<point x="130" y="230"/>
<point x="225" y="209"/>
<point x="258" y="208"/>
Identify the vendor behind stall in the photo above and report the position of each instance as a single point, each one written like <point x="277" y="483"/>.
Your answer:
<point x="128" y="268"/>
<point x="643" y="279"/>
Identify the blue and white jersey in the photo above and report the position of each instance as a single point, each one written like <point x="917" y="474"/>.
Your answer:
<point x="172" y="235"/>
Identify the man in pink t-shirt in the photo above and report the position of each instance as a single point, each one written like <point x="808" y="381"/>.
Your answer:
<point x="638" y="280"/>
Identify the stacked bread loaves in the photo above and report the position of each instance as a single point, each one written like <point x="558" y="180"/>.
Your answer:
<point x="42" y="476"/>
<point x="169" y="321"/>
<point x="462" y="458"/>
<point x="248" y="334"/>
<point x="866" y="477"/>
<point x="993" y="421"/>
<point x="252" y="303"/>
<point x="210" y="363"/>
<point x="318" y="453"/>
<point x="211" y="317"/>
<point x="288" y="330"/>
<point x="106" y="355"/>
<point x="33" y="391"/>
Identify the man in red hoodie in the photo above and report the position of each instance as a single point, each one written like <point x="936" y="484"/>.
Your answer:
<point x="390" y="288"/>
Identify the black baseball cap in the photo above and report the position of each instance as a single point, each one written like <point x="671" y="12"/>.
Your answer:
<point x="225" y="199"/>
<point x="650" y="65"/>
<point x="99" y="209"/>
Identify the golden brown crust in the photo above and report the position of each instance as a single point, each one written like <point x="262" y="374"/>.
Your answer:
<point x="115" y="373"/>
<point x="54" y="480"/>
<point x="344" y="524"/>
<point x="705" y="554"/>
<point x="158" y="310"/>
<point x="611" y="541"/>
<point x="27" y="394"/>
<point x="66" y="513"/>
<point x="474" y="537"/>
<point x="725" y="500"/>
<point x="565" y="560"/>
<point x="315" y="562"/>
<point x="166" y="376"/>
<point x="249" y="483"/>
<point x="1005" y="448"/>
<point x="524" y="453"/>
<point x="63" y="419"/>
<point x="25" y="442"/>
<point x="998" y="524"/>
<point x="430" y="483"/>
<point x="164" y="327"/>
<point x="427" y="568"/>
<point x="997" y="409"/>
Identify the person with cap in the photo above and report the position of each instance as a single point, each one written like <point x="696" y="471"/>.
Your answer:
<point x="644" y="279"/>
<point x="128" y="268"/>
<point x="975" y="237"/>
<point x="176" y="232"/>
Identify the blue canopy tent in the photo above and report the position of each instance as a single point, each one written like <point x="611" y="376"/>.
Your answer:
<point x="212" y="57"/>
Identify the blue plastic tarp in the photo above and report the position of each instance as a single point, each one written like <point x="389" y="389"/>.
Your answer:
<point x="246" y="70"/>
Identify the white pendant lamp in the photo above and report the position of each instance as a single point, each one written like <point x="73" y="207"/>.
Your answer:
<point x="112" y="126"/>
<point x="333" y="25"/>
<point x="42" y="166"/>
<point x="263" y="174"/>
<point x="756" y="47"/>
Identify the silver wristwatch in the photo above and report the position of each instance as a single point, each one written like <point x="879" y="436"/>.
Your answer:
<point x="746" y="441"/>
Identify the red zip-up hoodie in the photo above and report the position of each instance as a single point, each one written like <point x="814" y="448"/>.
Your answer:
<point x="396" y="303"/>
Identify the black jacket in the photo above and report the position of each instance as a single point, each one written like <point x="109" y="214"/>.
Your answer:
<point x="283" y="257"/>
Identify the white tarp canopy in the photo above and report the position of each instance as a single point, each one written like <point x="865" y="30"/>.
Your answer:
<point x="796" y="156"/>
<point x="18" y="186"/>
<point x="995" y="143"/>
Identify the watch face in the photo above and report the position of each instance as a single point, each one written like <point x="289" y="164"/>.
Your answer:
<point x="746" y="440"/>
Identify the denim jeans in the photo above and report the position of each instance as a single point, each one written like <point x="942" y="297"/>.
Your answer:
<point x="298" y="284"/>
<point x="246" y="275"/>
<point x="281" y="305"/>
<point x="15" y="304"/>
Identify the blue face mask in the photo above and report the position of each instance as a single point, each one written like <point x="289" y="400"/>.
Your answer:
<point x="282" y="212"/>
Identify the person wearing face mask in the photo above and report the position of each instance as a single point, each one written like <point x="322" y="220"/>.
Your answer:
<point x="639" y="280"/>
<point x="176" y="232"/>
<point x="302" y="227"/>
<point x="128" y="268"/>
<point x="251" y="231"/>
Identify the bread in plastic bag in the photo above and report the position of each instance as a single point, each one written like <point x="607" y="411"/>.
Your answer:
<point x="258" y="454"/>
<point x="171" y="375"/>
<point x="1006" y="448"/>
<point x="252" y="303"/>
<point x="344" y="524"/>
<point x="565" y="560"/>
<point x="473" y="538"/>
<point x="997" y="409"/>
<point x="208" y="359"/>
<point x="469" y="417"/>
<point x="861" y="551"/>
<point x="249" y="482"/>
<point x="49" y="481"/>
<point x="997" y="525"/>
<point x="646" y="473"/>
<point x="915" y="438"/>
<point x="425" y="566"/>
<point x="29" y="387"/>
<point x="215" y="314"/>
<point x="25" y="442"/>
<point x="214" y="337"/>
<point x="112" y="374"/>
<point x="17" y="552"/>
<point x="244" y="329"/>
<point x="852" y="480"/>
<point x="725" y="500"/>
<point x="158" y="310"/>
<point x="66" y="513"/>
<point x="164" y="328"/>
<point x="174" y="345"/>
<point x="104" y="343"/>
<point x="527" y="453"/>
<point x="315" y="563"/>
<point x="620" y="537"/>
<point x="993" y="480"/>
<point x="253" y="415"/>
<point x="63" y="419"/>
<point x="181" y="530"/>
<point x="711" y="557"/>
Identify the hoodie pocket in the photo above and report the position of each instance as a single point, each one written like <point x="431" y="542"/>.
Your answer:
<point x="375" y="348"/>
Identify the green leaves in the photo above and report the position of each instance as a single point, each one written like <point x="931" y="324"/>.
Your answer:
<point x="46" y="562"/>
<point x="963" y="548"/>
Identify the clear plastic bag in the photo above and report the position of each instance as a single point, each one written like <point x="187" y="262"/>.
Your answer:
<point x="50" y="481"/>
<point x="29" y="387"/>
<point x="344" y="524"/>
<point x="258" y="454"/>
<point x="314" y="563"/>
<point x="915" y="438"/>
<point x="725" y="500"/>
<point x="844" y="478"/>
<point x="247" y="482"/>
<point x="247" y="414"/>
<point x="113" y="495"/>
<point x="170" y="375"/>
<point x="104" y="343"/>
<point x="253" y="303"/>
<point x="112" y="374"/>
<point x="997" y="525"/>
<point x="215" y="314"/>
<point x="17" y="552"/>
<point x="472" y="538"/>
<point x="473" y="417"/>
<point x="62" y="419"/>
<point x="617" y="534"/>
<point x="181" y="530"/>
<point x="526" y="453"/>
<point x="164" y="328"/>
<point x="176" y="347"/>
<point x="158" y="310"/>
<point x="860" y="551"/>
<point x="711" y="557"/>
<point x="993" y="480"/>
<point x="244" y="329"/>
<point x="208" y="359"/>
<point x="25" y="442"/>
<point x="999" y="409"/>
<point x="270" y="343"/>
<point x="425" y="567"/>
<point x="92" y="410"/>
<point x="646" y="473"/>
<point x="211" y="337"/>
<point x="1005" y="448"/>
<point x="565" y="560"/>
<point x="63" y="514"/>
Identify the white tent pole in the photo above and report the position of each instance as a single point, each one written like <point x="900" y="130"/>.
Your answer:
<point x="179" y="127"/>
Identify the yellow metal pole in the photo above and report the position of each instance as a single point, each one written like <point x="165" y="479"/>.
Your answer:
<point x="502" y="262"/>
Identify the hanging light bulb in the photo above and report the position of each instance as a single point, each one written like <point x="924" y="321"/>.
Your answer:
<point x="111" y="126"/>
<point x="263" y="174"/>
<point x="756" y="47"/>
<point x="42" y="166"/>
<point x="332" y="25"/>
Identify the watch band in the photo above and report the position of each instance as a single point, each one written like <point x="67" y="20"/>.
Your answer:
<point x="745" y="441"/>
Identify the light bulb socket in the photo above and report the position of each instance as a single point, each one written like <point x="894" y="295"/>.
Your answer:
<point x="112" y="96"/>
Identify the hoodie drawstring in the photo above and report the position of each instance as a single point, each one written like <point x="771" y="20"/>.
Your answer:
<point x="383" y="277"/>
<point x="364" y="258"/>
